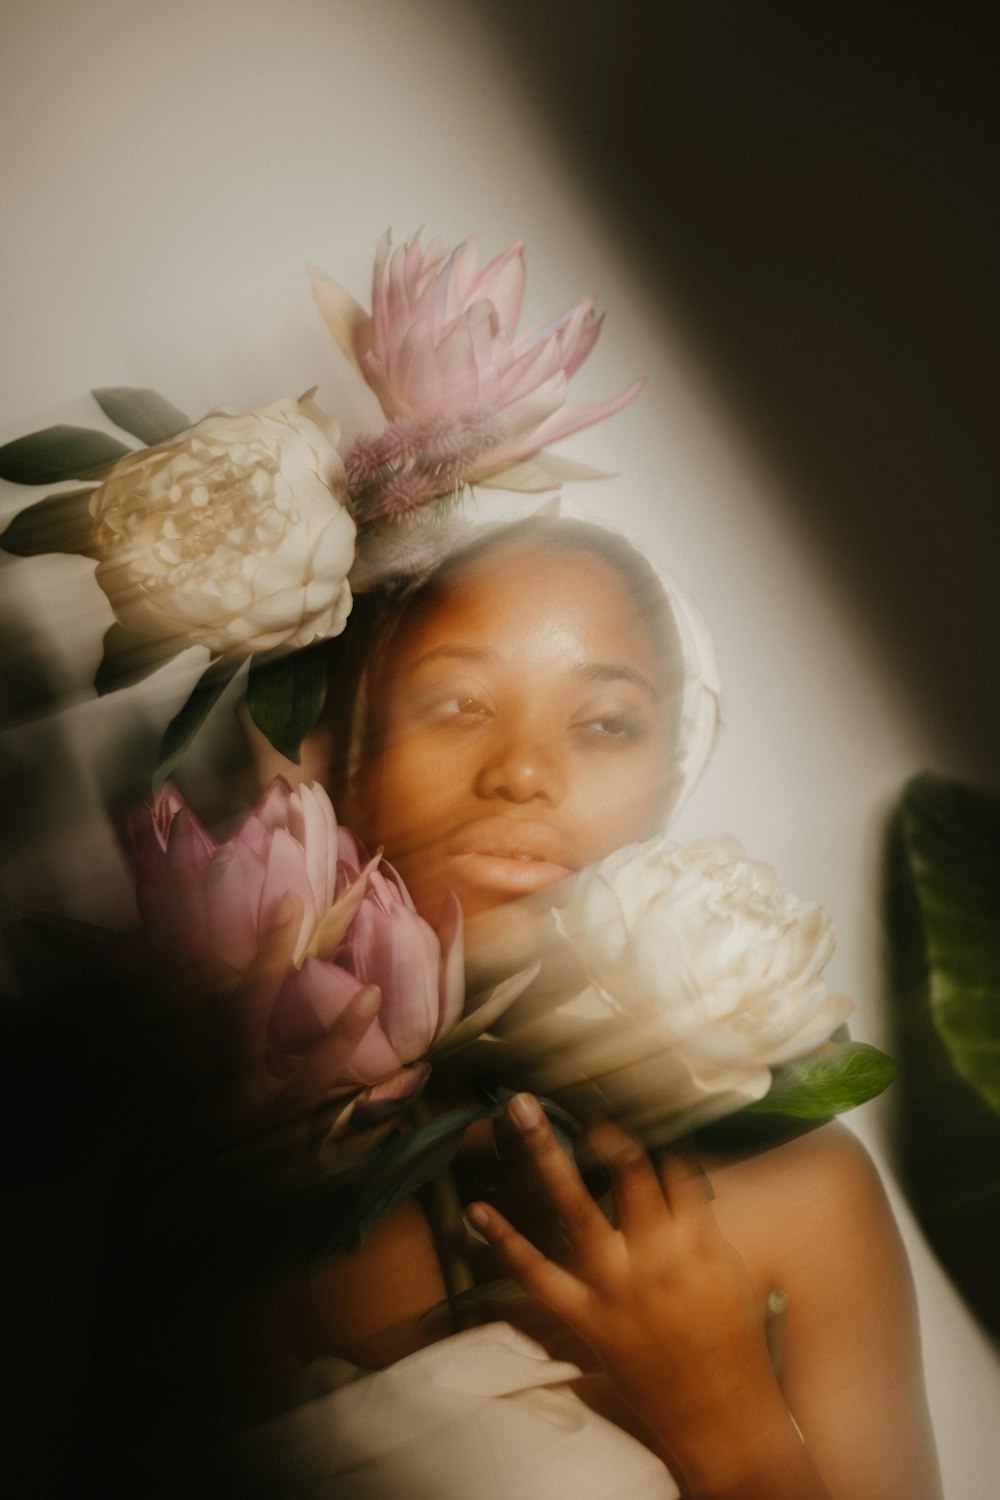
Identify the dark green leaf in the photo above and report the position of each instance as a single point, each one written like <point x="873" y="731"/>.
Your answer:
<point x="129" y="657"/>
<point x="396" y="1170"/>
<point x="403" y="1150"/>
<point x="803" y="1095"/>
<point x="143" y="413"/>
<point x="814" y="1088"/>
<point x="191" y="716"/>
<point x="423" y="1169"/>
<point x="286" y="696"/>
<point x="952" y="838"/>
<point x="58" y="453"/>
<point x="59" y="524"/>
<point x="947" y="1134"/>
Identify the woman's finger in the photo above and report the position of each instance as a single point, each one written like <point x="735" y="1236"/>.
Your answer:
<point x="637" y="1188"/>
<point x="542" y="1278"/>
<point x="686" y="1187"/>
<point x="580" y="1217"/>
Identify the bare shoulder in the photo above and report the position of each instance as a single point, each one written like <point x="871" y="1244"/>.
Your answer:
<point x="812" y="1217"/>
<point x="811" y="1203"/>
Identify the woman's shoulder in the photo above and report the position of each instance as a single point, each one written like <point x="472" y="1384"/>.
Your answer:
<point x="806" y="1202"/>
<point x="830" y="1160"/>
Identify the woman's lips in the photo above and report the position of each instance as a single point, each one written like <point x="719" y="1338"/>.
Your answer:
<point x="517" y="875"/>
<point x="509" y="857"/>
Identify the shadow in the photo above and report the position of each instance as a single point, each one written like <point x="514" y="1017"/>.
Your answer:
<point x="816" y="195"/>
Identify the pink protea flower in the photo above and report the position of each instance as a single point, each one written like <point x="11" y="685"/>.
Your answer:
<point x="419" y="973"/>
<point x="415" y="460"/>
<point x="442" y="337"/>
<point x="210" y="904"/>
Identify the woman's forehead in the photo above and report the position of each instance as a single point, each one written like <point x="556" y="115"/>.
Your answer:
<point x="569" y="600"/>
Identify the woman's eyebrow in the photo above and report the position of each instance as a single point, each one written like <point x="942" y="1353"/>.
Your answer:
<point x="463" y="653"/>
<point x="598" y="671"/>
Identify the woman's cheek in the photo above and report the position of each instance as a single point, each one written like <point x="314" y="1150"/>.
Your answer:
<point x="618" y="804"/>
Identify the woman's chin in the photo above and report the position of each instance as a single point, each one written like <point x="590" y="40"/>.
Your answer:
<point x="506" y="936"/>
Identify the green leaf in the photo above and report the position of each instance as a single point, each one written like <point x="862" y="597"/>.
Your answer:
<point x="286" y="696"/>
<point x="129" y="657"/>
<point x="59" y="524"/>
<point x="952" y="838"/>
<point x="941" y="872"/>
<point x="144" y="414"/>
<point x="191" y="716"/>
<point x="814" y="1088"/>
<point x="396" y="1170"/>
<point x="58" y="453"/>
<point x="802" y="1096"/>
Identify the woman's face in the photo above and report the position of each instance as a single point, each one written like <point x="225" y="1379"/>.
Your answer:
<point x="527" y="731"/>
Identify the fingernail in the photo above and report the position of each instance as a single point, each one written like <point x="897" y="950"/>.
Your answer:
<point x="470" y="1228"/>
<point x="525" y="1111"/>
<point x="479" y="1214"/>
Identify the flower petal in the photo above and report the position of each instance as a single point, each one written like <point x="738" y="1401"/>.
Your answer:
<point x="349" y="324"/>
<point x="386" y="1098"/>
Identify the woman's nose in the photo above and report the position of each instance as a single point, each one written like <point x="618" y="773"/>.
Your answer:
<point x="522" y="770"/>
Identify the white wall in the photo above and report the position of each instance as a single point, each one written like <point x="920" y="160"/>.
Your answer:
<point x="168" y="170"/>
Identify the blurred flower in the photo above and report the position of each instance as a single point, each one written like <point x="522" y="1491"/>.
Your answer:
<point x="210" y="905"/>
<point x="419" y="973"/>
<point x="236" y="536"/>
<point x="704" y="977"/>
<point x="442" y="339"/>
<point x="396" y="471"/>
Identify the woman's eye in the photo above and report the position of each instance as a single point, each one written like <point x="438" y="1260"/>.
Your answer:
<point x="456" y="708"/>
<point x="461" y="707"/>
<point x="609" y="727"/>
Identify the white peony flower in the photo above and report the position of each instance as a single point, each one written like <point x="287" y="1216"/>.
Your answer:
<point x="704" y="976"/>
<point x="236" y="536"/>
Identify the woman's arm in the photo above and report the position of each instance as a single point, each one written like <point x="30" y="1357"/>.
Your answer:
<point x="675" y="1313"/>
<point x="812" y="1217"/>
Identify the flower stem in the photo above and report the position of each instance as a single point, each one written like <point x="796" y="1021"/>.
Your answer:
<point x="446" y="1221"/>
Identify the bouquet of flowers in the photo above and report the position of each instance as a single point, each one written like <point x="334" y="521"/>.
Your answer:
<point x="706" y="995"/>
<point x="699" y="991"/>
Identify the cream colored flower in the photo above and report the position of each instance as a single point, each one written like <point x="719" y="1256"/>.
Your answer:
<point x="236" y="536"/>
<point x="704" y="977"/>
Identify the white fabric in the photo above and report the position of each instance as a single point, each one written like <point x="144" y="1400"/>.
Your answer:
<point x="483" y="1415"/>
<point x="701" y="697"/>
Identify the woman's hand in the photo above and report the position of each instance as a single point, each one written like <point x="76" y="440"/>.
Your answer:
<point x="667" y="1305"/>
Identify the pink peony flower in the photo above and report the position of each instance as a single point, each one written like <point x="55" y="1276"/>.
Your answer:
<point x="442" y="338"/>
<point x="213" y="903"/>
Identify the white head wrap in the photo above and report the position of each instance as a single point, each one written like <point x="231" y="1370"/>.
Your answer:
<point x="700" y="694"/>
